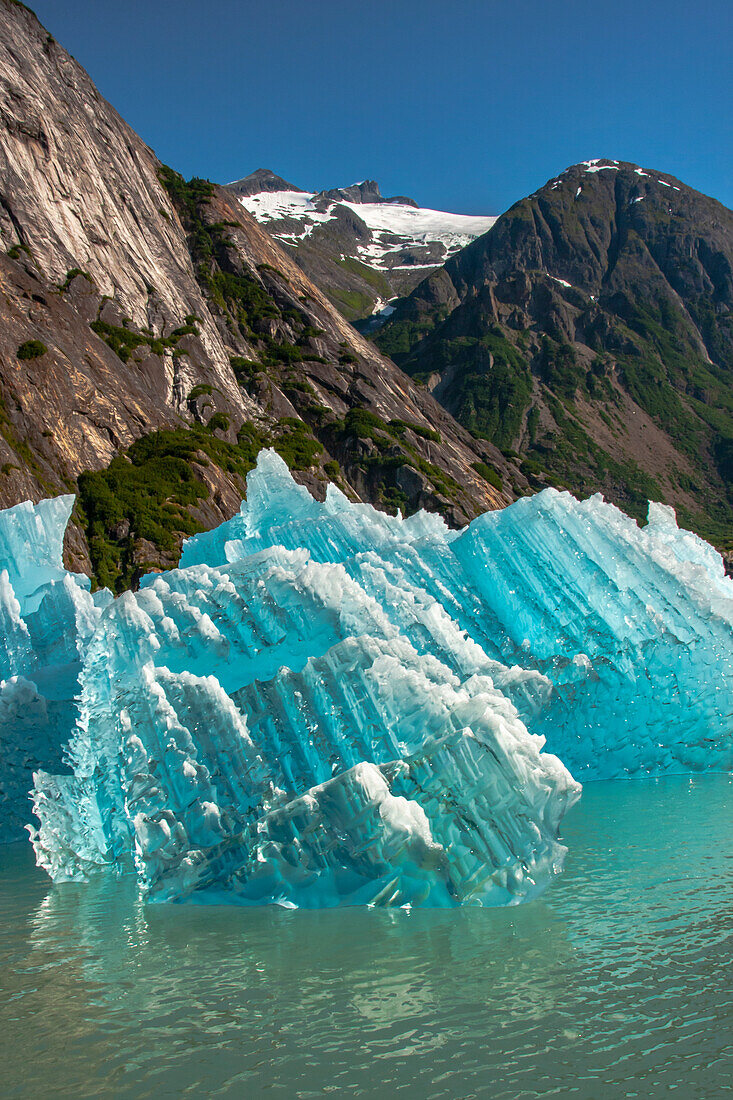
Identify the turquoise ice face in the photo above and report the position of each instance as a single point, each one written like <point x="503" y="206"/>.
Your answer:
<point x="326" y="705"/>
<point x="47" y="617"/>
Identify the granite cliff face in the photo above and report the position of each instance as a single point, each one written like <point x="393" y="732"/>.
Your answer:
<point x="153" y="336"/>
<point x="591" y="331"/>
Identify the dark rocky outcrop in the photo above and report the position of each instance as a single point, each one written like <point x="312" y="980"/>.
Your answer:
<point x="262" y="179"/>
<point x="366" y="191"/>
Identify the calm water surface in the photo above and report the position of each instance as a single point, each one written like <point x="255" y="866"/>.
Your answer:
<point x="618" y="983"/>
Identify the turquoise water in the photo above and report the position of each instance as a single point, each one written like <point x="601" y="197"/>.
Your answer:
<point x="617" y="983"/>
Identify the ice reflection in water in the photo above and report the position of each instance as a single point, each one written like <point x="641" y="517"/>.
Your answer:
<point x="623" y="971"/>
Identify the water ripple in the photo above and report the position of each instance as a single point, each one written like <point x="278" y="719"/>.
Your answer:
<point x="619" y="983"/>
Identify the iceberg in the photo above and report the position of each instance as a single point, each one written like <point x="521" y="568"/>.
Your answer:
<point x="631" y="628"/>
<point x="328" y="705"/>
<point x="266" y="730"/>
<point x="47" y="617"/>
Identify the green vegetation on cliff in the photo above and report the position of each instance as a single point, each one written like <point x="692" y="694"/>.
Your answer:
<point x="138" y="509"/>
<point x="32" y="349"/>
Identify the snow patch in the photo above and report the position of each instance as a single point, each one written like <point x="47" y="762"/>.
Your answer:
<point x="273" y="206"/>
<point x="393" y="226"/>
<point x="596" y="166"/>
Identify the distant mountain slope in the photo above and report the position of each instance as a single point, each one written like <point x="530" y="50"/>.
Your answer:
<point x="361" y="249"/>
<point x="153" y="337"/>
<point x="591" y="331"/>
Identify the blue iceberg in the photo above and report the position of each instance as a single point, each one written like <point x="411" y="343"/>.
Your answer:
<point x="47" y="618"/>
<point x="325" y="704"/>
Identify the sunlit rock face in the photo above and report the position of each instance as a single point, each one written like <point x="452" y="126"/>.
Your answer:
<point x="327" y="705"/>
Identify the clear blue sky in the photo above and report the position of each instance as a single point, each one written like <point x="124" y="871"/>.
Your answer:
<point x="466" y="106"/>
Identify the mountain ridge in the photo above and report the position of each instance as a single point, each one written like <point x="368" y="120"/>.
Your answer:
<point x="154" y="336"/>
<point x="591" y="332"/>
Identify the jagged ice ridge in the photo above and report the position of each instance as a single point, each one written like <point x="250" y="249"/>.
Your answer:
<point x="325" y="704"/>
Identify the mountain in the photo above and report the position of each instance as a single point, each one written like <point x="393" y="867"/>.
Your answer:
<point x="263" y="180"/>
<point x="361" y="249"/>
<point x="153" y="337"/>
<point x="590" y="333"/>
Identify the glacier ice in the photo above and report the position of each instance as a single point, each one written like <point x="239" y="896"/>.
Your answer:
<point x="47" y="617"/>
<point x="326" y="704"/>
<point x="630" y="627"/>
<point x="296" y="746"/>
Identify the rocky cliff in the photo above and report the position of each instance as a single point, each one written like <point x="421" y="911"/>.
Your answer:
<point x="153" y="337"/>
<point x="590" y="334"/>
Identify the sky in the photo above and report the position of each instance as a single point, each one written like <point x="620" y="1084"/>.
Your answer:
<point x="465" y="106"/>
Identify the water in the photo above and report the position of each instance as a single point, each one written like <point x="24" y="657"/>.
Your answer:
<point x="618" y="983"/>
